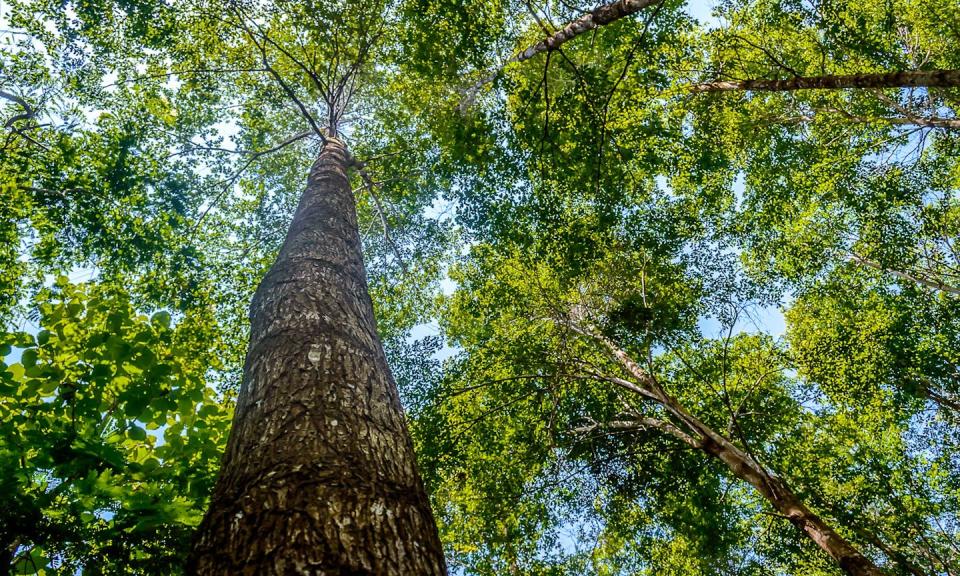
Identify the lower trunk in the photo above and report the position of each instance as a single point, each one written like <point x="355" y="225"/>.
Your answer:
<point x="319" y="476"/>
<point x="8" y="553"/>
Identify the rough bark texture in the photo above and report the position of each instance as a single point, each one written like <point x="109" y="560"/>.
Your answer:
<point x="319" y="476"/>
<point x="908" y="79"/>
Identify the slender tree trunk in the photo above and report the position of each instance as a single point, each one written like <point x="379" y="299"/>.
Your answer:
<point x="8" y="553"/>
<point x="908" y="79"/>
<point x="774" y="489"/>
<point x="784" y="501"/>
<point x="319" y="476"/>
<point x="739" y="462"/>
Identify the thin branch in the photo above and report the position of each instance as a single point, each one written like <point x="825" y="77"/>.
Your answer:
<point x="616" y="85"/>
<point x="773" y="58"/>
<point x="28" y="111"/>
<point x="370" y="186"/>
<point x="918" y="121"/>
<point x="228" y="183"/>
<point x="193" y="71"/>
<point x="918" y="278"/>
<point x="642" y="423"/>
<point x="276" y="75"/>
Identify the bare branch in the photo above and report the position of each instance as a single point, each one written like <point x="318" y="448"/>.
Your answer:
<point x="641" y="423"/>
<point x="276" y="75"/>
<point x="912" y="120"/>
<point x="191" y="71"/>
<point x="917" y="277"/>
<point x="370" y="186"/>
<point x="228" y="183"/>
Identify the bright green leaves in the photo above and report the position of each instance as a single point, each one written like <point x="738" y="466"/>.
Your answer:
<point x="858" y="338"/>
<point x="161" y="319"/>
<point x="110" y="435"/>
<point x="524" y="408"/>
<point x="591" y="186"/>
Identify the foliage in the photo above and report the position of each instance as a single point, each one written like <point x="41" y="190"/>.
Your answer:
<point x="111" y="435"/>
<point x="504" y="202"/>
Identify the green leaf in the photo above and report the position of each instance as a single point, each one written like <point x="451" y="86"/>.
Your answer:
<point x="136" y="433"/>
<point x="29" y="357"/>
<point x="161" y="318"/>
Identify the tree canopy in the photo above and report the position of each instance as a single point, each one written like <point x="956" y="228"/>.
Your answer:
<point x="667" y="287"/>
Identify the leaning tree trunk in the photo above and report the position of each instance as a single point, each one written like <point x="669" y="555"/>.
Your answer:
<point x="742" y="464"/>
<point x="786" y="502"/>
<point x="319" y="476"/>
<point x="774" y="489"/>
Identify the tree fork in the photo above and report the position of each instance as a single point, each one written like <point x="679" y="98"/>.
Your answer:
<point x="319" y="475"/>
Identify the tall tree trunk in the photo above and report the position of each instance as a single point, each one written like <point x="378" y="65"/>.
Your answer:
<point x="8" y="553"/>
<point x="908" y="79"/>
<point x="319" y="476"/>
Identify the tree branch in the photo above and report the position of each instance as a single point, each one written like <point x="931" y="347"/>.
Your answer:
<point x="276" y="75"/>
<point x="370" y="186"/>
<point x="253" y="157"/>
<point x="918" y="278"/>
<point x="601" y="16"/>
<point x="27" y="109"/>
<point x="904" y="79"/>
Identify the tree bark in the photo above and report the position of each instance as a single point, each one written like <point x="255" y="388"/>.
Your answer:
<point x="907" y="79"/>
<point x="319" y="476"/>
<point x="784" y="501"/>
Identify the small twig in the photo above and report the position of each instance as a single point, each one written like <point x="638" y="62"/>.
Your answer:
<point x="370" y="186"/>
<point x="253" y="157"/>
